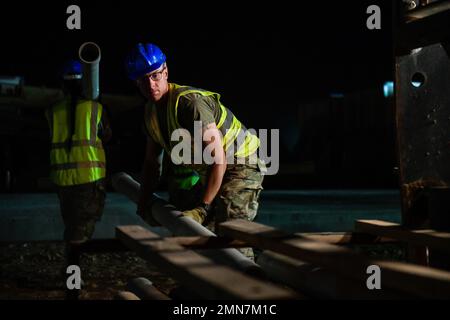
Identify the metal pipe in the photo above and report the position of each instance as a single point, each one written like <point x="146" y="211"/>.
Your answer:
<point x="125" y="295"/>
<point x="168" y="216"/>
<point x="90" y="55"/>
<point x="145" y="290"/>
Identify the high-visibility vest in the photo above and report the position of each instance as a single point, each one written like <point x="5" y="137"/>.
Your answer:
<point x="231" y="128"/>
<point x="79" y="158"/>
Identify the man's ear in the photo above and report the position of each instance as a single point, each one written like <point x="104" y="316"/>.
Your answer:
<point x="166" y="72"/>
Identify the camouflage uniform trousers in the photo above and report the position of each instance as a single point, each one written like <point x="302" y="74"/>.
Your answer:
<point x="81" y="207"/>
<point x="237" y="198"/>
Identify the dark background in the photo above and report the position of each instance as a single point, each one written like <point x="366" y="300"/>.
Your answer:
<point x="276" y="65"/>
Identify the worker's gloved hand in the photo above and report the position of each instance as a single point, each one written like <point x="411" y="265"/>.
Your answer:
<point x="198" y="214"/>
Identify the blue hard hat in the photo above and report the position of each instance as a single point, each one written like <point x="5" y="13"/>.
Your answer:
<point x="72" y="69"/>
<point x="144" y="58"/>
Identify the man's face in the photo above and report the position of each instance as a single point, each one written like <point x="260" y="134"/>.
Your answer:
<point x="154" y="84"/>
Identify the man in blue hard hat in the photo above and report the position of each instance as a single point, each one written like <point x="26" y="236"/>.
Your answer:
<point x="209" y="193"/>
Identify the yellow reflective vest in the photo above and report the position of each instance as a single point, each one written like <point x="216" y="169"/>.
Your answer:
<point x="79" y="158"/>
<point x="230" y="127"/>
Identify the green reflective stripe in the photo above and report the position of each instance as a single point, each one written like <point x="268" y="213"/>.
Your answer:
<point x="78" y="165"/>
<point x="223" y="116"/>
<point x="94" y="122"/>
<point x="231" y="128"/>
<point x="231" y="133"/>
<point x="240" y="138"/>
<point x="187" y="183"/>
<point x="227" y="122"/>
<point x="250" y="145"/>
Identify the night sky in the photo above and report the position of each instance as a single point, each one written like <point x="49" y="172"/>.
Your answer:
<point x="275" y="65"/>
<point x="235" y="48"/>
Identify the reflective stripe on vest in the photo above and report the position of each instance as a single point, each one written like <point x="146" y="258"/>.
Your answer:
<point x="81" y="160"/>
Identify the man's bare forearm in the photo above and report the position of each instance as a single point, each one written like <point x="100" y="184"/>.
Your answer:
<point x="218" y="168"/>
<point x="214" y="183"/>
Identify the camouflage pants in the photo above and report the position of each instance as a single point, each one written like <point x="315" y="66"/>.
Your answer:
<point x="237" y="198"/>
<point x="81" y="207"/>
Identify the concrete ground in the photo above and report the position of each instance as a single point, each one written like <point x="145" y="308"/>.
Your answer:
<point x="35" y="216"/>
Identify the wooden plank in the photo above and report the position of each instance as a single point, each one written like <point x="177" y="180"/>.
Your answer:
<point x="417" y="280"/>
<point x="426" y="237"/>
<point x="210" y="280"/>
<point x="205" y="242"/>
<point x="192" y="242"/>
<point x="344" y="238"/>
<point x="318" y="283"/>
<point x="212" y="242"/>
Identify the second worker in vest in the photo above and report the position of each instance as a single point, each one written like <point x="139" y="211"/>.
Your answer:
<point x="77" y="159"/>
<point x="227" y="188"/>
